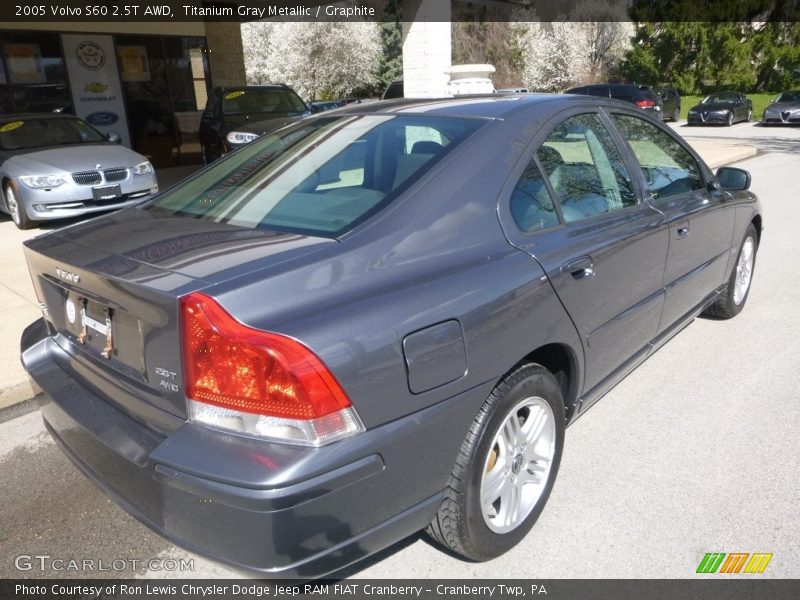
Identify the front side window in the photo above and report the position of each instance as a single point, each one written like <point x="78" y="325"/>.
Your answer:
<point x="585" y="169"/>
<point x="320" y="176"/>
<point x="668" y="167"/>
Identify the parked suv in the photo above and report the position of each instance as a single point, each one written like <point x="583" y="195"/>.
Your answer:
<point x="640" y="95"/>
<point x="237" y="115"/>
<point x="670" y="103"/>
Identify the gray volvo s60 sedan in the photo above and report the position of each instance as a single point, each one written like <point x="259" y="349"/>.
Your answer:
<point x="377" y="321"/>
<point x="56" y="166"/>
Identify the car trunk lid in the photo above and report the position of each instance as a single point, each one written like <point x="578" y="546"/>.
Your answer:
<point x="110" y="288"/>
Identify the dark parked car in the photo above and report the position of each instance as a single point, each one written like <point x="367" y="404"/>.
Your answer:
<point x="670" y="103"/>
<point x="322" y="106"/>
<point x="378" y="320"/>
<point x="784" y="110"/>
<point x="235" y="116"/>
<point x="394" y="90"/>
<point x="725" y="108"/>
<point x="640" y="95"/>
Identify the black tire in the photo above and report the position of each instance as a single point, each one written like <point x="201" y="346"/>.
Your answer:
<point x="725" y="307"/>
<point x="676" y="114"/>
<point x="207" y="159"/>
<point x="460" y="525"/>
<point x="17" y="212"/>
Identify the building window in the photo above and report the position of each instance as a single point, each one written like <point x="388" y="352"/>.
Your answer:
<point x="32" y="74"/>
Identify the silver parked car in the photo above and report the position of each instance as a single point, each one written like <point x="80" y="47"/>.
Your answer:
<point x="56" y="166"/>
<point x="784" y="110"/>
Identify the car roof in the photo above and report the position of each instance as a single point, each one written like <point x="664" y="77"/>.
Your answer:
<point x="638" y="86"/>
<point x="28" y="116"/>
<point x="486" y="106"/>
<point x="260" y="86"/>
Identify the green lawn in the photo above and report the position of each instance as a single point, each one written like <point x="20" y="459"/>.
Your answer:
<point x="760" y="102"/>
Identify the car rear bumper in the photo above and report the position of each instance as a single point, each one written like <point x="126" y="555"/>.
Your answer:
<point x="304" y="512"/>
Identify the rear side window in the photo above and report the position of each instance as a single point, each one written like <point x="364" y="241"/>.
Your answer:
<point x="597" y="90"/>
<point x="627" y="95"/>
<point x="531" y="204"/>
<point x="585" y="169"/>
<point x="668" y="167"/>
<point x="320" y="176"/>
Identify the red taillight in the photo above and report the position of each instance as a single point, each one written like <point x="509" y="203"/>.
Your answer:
<point x="645" y="103"/>
<point x="233" y="366"/>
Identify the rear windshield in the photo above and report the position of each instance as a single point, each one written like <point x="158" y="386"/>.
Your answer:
<point x="631" y="93"/>
<point x="261" y="100"/>
<point x="320" y="176"/>
<point x="25" y="133"/>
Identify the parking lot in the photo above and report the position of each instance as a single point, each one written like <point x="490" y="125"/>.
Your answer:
<point x="694" y="452"/>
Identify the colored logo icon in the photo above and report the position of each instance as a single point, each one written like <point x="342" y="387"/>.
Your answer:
<point x="735" y="562"/>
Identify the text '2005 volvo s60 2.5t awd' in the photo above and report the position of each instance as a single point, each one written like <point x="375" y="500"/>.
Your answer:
<point x="377" y="321"/>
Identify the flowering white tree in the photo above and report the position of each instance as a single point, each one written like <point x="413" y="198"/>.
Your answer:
<point x="562" y="54"/>
<point x="318" y="59"/>
<point x="553" y="55"/>
<point x="606" y="43"/>
<point x="255" y="43"/>
<point x="605" y="31"/>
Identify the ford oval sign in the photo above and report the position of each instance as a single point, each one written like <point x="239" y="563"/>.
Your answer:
<point x="102" y="118"/>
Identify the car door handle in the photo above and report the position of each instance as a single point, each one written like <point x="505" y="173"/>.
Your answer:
<point x="683" y="230"/>
<point x="579" y="268"/>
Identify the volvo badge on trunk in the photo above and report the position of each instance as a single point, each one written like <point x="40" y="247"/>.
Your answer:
<point x="71" y="277"/>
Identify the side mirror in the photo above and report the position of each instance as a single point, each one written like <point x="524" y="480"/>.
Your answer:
<point x="113" y="137"/>
<point x="731" y="178"/>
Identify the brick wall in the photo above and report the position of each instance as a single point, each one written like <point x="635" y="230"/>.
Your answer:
<point x="426" y="48"/>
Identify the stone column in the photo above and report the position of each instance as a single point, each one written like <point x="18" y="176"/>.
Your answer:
<point x="225" y="53"/>
<point x="426" y="48"/>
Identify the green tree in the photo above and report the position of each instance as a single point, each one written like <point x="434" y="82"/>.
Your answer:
<point x="776" y="46"/>
<point x="749" y="55"/>
<point x="391" y="65"/>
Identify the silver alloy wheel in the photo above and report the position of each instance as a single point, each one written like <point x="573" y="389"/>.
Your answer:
<point x="730" y="118"/>
<point x="13" y="204"/>
<point x="518" y="464"/>
<point x="744" y="271"/>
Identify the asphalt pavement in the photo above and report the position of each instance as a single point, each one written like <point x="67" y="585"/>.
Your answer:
<point x="696" y="451"/>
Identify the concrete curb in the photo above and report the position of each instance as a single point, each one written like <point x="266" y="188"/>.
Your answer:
<point x="16" y="392"/>
<point x="717" y="153"/>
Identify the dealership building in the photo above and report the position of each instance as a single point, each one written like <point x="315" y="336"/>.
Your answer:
<point x="149" y="82"/>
